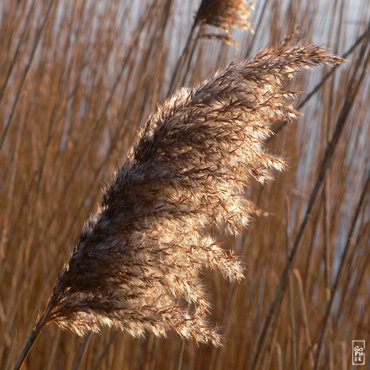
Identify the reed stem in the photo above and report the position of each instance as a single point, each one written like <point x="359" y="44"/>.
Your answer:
<point x="33" y="336"/>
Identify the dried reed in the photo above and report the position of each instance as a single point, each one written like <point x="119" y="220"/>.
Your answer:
<point x="225" y="15"/>
<point x="99" y="69"/>
<point x="138" y="261"/>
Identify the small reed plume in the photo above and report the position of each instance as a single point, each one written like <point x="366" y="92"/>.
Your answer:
<point x="225" y="15"/>
<point x="138" y="261"/>
<point x="222" y="14"/>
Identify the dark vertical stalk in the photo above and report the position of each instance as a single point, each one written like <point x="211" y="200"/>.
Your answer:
<point x="358" y="42"/>
<point x="81" y="351"/>
<point x="324" y="166"/>
<point x="182" y="60"/>
<point x="24" y="76"/>
<point x="33" y="335"/>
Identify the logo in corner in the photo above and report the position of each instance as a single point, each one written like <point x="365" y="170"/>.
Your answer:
<point x="358" y="352"/>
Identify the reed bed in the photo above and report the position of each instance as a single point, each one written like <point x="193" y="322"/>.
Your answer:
<point x="78" y="79"/>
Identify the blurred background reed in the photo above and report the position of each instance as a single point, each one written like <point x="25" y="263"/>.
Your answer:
<point x="77" y="78"/>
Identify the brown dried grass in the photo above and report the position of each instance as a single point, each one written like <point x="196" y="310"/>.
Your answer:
<point x="137" y="264"/>
<point x="79" y="101"/>
<point x="225" y="15"/>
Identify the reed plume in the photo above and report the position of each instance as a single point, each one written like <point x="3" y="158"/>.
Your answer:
<point x="138" y="261"/>
<point x="225" y="15"/>
<point x="222" y="14"/>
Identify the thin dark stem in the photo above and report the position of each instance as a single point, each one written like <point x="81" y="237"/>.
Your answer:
<point x="181" y="61"/>
<point x="324" y="166"/>
<point x="190" y="58"/>
<point x="281" y="124"/>
<point x="104" y="352"/>
<point x="33" y="335"/>
<point x="258" y="26"/>
<point x="17" y="50"/>
<point x="359" y="40"/>
<point x="341" y="266"/>
<point x="25" y="74"/>
<point x="81" y="351"/>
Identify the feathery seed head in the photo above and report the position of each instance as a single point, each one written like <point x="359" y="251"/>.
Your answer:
<point x="226" y="15"/>
<point x="137" y="264"/>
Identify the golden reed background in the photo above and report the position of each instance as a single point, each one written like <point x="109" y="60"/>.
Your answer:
<point x="77" y="78"/>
